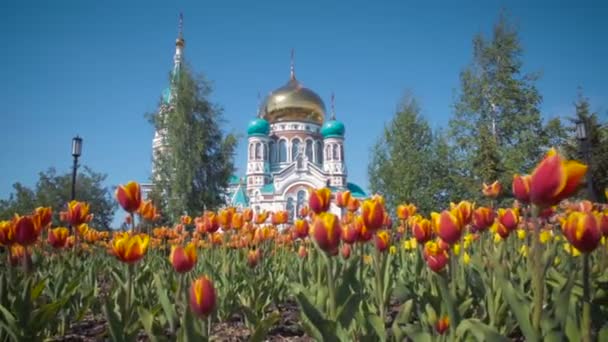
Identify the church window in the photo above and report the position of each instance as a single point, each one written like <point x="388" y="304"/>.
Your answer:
<point x="341" y="152"/>
<point x="309" y="150"/>
<point x="258" y="151"/>
<point x="282" y="151"/>
<point x="295" y="147"/>
<point x="319" y="152"/>
<point x="327" y="152"/>
<point x="265" y="152"/>
<point x="251" y="147"/>
<point x="301" y="200"/>
<point x="271" y="154"/>
<point x="335" y="152"/>
<point x="290" y="209"/>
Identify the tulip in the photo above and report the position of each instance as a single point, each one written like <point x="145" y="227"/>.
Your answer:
<point x="17" y="255"/>
<point x="350" y="233"/>
<point x="521" y="188"/>
<point x="372" y="212"/>
<point x="422" y="230"/>
<point x="147" y="211"/>
<point x="500" y="229"/>
<point x="7" y="233"/>
<point x="25" y="230"/>
<point x="447" y="225"/>
<point x="129" y="248"/>
<point x="435" y="257"/>
<point x="583" y="230"/>
<point x="382" y="240"/>
<point x="465" y="210"/>
<point x="247" y="215"/>
<point x="237" y="221"/>
<point x="202" y="297"/>
<point x="319" y="200"/>
<point x="603" y="223"/>
<point x="253" y="257"/>
<point x="304" y="211"/>
<point x="77" y="213"/>
<point x="183" y="259"/>
<point x="492" y="190"/>
<point x="58" y="237"/>
<point x="405" y="211"/>
<point x="279" y="217"/>
<point x="224" y="218"/>
<point x="346" y="249"/>
<point x="326" y="232"/>
<point x="342" y="199"/>
<point x="483" y="218"/>
<point x="555" y="179"/>
<point x="353" y="205"/>
<point x="300" y="229"/>
<point x="302" y="252"/>
<point x="129" y="196"/>
<point x="442" y="325"/>
<point x="261" y="217"/>
<point x="509" y="218"/>
<point x="43" y="217"/>
<point x="210" y="222"/>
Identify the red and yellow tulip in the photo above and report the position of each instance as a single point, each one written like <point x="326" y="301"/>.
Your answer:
<point x="483" y="218"/>
<point x="279" y="217"/>
<point x="43" y="217"/>
<point x="353" y="205"/>
<point x="372" y="212"/>
<point x="509" y="217"/>
<point x="326" y="232"/>
<point x="382" y="240"/>
<point x="7" y="233"/>
<point x="261" y="217"/>
<point x="492" y="190"/>
<point x="319" y="200"/>
<point x="183" y="259"/>
<point x="129" y="196"/>
<point x="405" y="211"/>
<point x="422" y="229"/>
<point x="521" y="187"/>
<point x="202" y="297"/>
<point x="148" y="211"/>
<point x="58" y="237"/>
<point x="77" y="213"/>
<point x="253" y="257"/>
<point x="447" y="225"/>
<point x="435" y="256"/>
<point x="583" y="230"/>
<point x="300" y="229"/>
<point x="442" y="325"/>
<point x="342" y="199"/>
<point x="129" y="248"/>
<point x="26" y="232"/>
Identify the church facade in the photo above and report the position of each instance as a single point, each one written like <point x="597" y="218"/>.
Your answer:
<point x="291" y="148"/>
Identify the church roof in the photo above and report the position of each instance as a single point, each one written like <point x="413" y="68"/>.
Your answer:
<point x="355" y="190"/>
<point x="268" y="188"/>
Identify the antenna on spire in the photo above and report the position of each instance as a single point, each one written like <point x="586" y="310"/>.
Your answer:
<point x="333" y="106"/>
<point x="180" y="33"/>
<point x="259" y="104"/>
<point x="292" y="67"/>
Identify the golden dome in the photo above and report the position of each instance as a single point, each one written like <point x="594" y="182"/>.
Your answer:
<point x="293" y="102"/>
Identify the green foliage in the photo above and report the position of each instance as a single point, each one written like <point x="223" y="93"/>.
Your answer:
<point x="192" y="172"/>
<point x="54" y="190"/>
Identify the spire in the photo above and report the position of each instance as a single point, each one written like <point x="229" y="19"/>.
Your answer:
<point x="333" y="106"/>
<point x="179" y="46"/>
<point x="292" y="75"/>
<point x="259" y="113"/>
<point x="180" y="33"/>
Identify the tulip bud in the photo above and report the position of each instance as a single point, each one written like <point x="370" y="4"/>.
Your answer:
<point x="342" y="199"/>
<point x="346" y="251"/>
<point x="327" y="232"/>
<point x="509" y="218"/>
<point x="25" y="230"/>
<point x="202" y="297"/>
<point x="129" y="196"/>
<point x="555" y="179"/>
<point x="300" y="229"/>
<point x="447" y="225"/>
<point x="253" y="257"/>
<point x="350" y="233"/>
<point x="373" y="213"/>
<point x="405" y="211"/>
<point x="483" y="218"/>
<point x="521" y="188"/>
<point x="319" y="200"/>
<point x="382" y="240"/>
<point x="58" y="237"/>
<point x="183" y="259"/>
<point x="442" y="325"/>
<point x="421" y="229"/>
<point x="436" y="258"/>
<point x="583" y="230"/>
<point x="302" y="252"/>
<point x="492" y="190"/>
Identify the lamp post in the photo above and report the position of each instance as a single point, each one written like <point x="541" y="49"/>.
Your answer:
<point x="583" y="138"/>
<point x="76" y="152"/>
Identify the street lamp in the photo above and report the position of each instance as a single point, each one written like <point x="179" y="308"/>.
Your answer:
<point x="585" y="145"/>
<point x="76" y="152"/>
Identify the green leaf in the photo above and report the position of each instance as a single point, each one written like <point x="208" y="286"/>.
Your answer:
<point x="115" y="324"/>
<point x="345" y="312"/>
<point x="402" y="318"/>
<point x="519" y="306"/>
<point x="264" y="326"/>
<point x="378" y="325"/>
<point x="163" y="298"/>
<point x="482" y="332"/>
<point x="326" y="330"/>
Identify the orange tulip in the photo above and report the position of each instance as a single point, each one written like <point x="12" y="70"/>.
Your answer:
<point x="7" y="233"/>
<point x="183" y="259"/>
<point x="442" y="325"/>
<point x="19" y="252"/>
<point x="365" y="234"/>
<point x="77" y="213"/>
<point x="326" y="232"/>
<point x="43" y="217"/>
<point x="300" y="229"/>
<point x="372" y="211"/>
<point x="147" y="211"/>
<point x="261" y="217"/>
<point x="129" y="248"/>
<point x="405" y="211"/>
<point x="583" y="230"/>
<point x="202" y="297"/>
<point x="465" y="210"/>
<point x="345" y="251"/>
<point x="224" y="218"/>
<point x="342" y="199"/>
<point x="382" y="240"/>
<point x="483" y="218"/>
<point x="435" y="257"/>
<point x="253" y="257"/>
<point x="129" y="196"/>
<point x="58" y="237"/>
<point x="279" y="217"/>
<point x="422" y="230"/>
<point x="302" y="252"/>
<point x="492" y="190"/>
<point x="350" y="232"/>
<point x="447" y="225"/>
<point x="353" y="205"/>
<point x="555" y="179"/>
<point x="186" y="220"/>
<point x="247" y="214"/>
<point x="319" y="200"/>
<point x="521" y="188"/>
<point x="210" y="222"/>
<point x="304" y="211"/>
<point x="509" y="218"/>
<point x="25" y="230"/>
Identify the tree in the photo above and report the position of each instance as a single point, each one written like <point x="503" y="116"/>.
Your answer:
<point x="54" y="190"/>
<point x="497" y="127"/>
<point x="597" y="133"/>
<point x="407" y="164"/>
<point x="192" y="171"/>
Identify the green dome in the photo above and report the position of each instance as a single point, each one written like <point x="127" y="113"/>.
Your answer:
<point x="258" y="126"/>
<point x="332" y="128"/>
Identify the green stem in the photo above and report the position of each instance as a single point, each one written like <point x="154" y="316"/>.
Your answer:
<point x="379" y="283"/>
<point x="537" y="279"/>
<point x="332" y="289"/>
<point x="129" y="293"/>
<point x="586" y="321"/>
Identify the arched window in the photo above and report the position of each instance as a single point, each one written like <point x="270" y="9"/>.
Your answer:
<point x="319" y="152"/>
<point x="301" y="200"/>
<point x="327" y="152"/>
<point x="271" y="152"/>
<point x="290" y="209"/>
<point x="265" y="152"/>
<point x="295" y="147"/>
<point x="309" y="150"/>
<point x="282" y="151"/>
<point x="258" y="151"/>
<point x="335" y="152"/>
<point x="341" y="152"/>
<point x="251" y="147"/>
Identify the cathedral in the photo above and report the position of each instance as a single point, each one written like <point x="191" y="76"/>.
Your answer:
<point x="291" y="147"/>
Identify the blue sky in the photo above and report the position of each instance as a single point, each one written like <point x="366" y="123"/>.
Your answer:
<point x="94" y="68"/>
